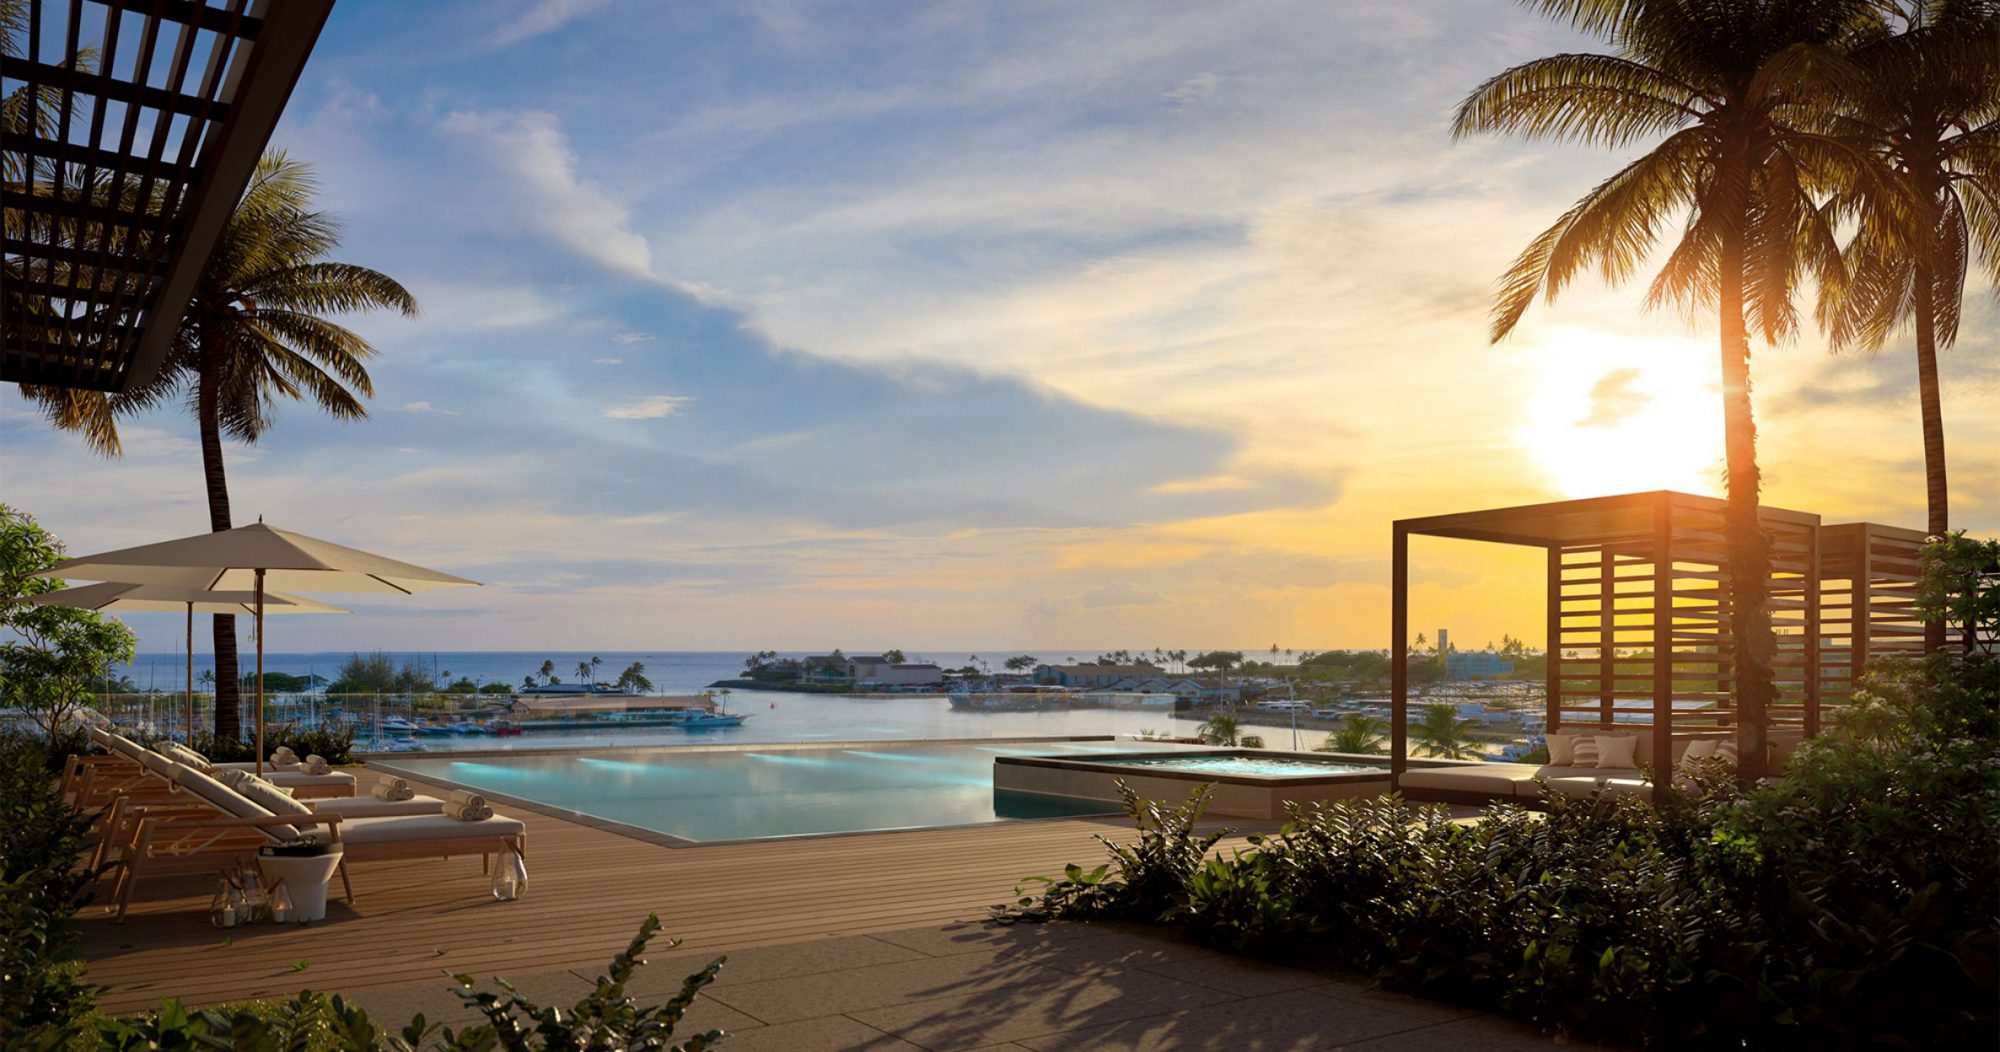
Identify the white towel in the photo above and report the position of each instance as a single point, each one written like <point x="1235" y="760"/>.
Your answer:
<point x="316" y="764"/>
<point x="393" y="788"/>
<point x="467" y="807"/>
<point x="283" y="757"/>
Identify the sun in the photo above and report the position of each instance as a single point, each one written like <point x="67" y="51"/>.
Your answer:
<point x="1616" y="414"/>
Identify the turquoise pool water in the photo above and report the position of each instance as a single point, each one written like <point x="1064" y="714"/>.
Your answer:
<point x="1263" y="767"/>
<point x="753" y="793"/>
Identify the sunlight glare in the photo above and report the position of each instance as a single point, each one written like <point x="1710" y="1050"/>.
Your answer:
<point x="1614" y="414"/>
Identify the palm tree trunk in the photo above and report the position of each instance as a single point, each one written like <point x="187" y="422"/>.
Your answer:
<point x="1933" y="415"/>
<point x="228" y="702"/>
<point x="1749" y="573"/>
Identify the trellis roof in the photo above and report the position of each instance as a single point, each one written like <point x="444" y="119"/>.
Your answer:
<point x="138" y="126"/>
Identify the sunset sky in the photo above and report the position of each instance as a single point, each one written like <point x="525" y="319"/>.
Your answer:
<point x="1022" y="325"/>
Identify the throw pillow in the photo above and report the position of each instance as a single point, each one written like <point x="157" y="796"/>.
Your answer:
<point x="1617" y="750"/>
<point x="1585" y="752"/>
<point x="1726" y="751"/>
<point x="1562" y="748"/>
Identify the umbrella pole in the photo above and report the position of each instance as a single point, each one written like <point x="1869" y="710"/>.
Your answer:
<point x="260" y="673"/>
<point x="190" y="657"/>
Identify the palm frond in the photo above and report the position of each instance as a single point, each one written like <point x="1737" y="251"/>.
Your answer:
<point x="1600" y="99"/>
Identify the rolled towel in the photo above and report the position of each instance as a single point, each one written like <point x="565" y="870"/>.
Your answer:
<point x="466" y="806"/>
<point x="283" y="754"/>
<point x="393" y="788"/>
<point x="316" y="764"/>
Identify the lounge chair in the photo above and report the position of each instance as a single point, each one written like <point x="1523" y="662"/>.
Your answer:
<point x="216" y="825"/>
<point x="304" y="786"/>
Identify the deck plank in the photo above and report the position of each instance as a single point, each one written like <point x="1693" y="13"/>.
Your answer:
<point x="588" y="890"/>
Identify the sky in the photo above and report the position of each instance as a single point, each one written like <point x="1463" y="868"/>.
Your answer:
<point x="795" y="324"/>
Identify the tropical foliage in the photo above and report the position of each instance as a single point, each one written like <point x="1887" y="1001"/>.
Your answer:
<point x="1442" y="733"/>
<point x="1359" y="734"/>
<point x="55" y="653"/>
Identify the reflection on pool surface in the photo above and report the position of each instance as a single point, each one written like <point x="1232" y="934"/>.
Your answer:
<point x="730" y="794"/>
<point x="1260" y="766"/>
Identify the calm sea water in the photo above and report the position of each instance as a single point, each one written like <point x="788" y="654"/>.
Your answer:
<point x="774" y="716"/>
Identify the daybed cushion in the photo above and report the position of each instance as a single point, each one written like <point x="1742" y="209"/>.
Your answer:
<point x="1494" y="779"/>
<point x="1611" y="786"/>
<point x="301" y="780"/>
<point x="403" y="829"/>
<point x="371" y="807"/>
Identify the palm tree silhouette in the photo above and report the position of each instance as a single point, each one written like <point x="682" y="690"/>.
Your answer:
<point x="1739" y="91"/>
<point x="1926" y="110"/>
<point x="1359" y="734"/>
<point x="1441" y="733"/>
<point x="256" y="331"/>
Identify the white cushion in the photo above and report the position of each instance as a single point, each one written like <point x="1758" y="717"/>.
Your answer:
<point x="1562" y="747"/>
<point x="402" y="829"/>
<point x="270" y="797"/>
<point x="1609" y="786"/>
<point x="231" y="802"/>
<point x="372" y="807"/>
<point x="1615" y="751"/>
<point x="1585" y="752"/>
<point x="183" y="754"/>
<point x="1493" y="779"/>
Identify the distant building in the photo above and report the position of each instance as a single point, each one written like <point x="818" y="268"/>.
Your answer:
<point x="1091" y="677"/>
<point x="851" y="670"/>
<point x="1479" y="664"/>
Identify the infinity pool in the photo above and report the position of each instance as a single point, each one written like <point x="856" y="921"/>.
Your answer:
<point x="739" y="794"/>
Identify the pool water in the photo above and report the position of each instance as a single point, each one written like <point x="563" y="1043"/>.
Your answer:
<point x="1263" y="767"/>
<point x="738" y="794"/>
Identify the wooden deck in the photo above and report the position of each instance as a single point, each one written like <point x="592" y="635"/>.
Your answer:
<point x="588" y="890"/>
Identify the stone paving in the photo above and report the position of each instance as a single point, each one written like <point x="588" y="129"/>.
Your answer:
<point x="976" y="986"/>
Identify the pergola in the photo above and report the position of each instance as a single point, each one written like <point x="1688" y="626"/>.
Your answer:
<point x="1868" y="579"/>
<point x="140" y="122"/>
<point x="1638" y="611"/>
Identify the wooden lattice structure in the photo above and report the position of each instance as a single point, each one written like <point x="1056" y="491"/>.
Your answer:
<point x="1638" y="612"/>
<point x="1868" y="586"/>
<point x="139" y="124"/>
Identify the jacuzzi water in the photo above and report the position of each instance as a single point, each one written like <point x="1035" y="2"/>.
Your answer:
<point x="734" y="794"/>
<point x="1262" y="767"/>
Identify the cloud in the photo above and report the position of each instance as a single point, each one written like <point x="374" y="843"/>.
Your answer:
<point x="632" y="337"/>
<point x="607" y="361"/>
<point x="1199" y="86"/>
<point x="426" y="407"/>
<point x="652" y="407"/>
<point x="542" y="16"/>
<point x="1613" y="398"/>
<point x="551" y="198"/>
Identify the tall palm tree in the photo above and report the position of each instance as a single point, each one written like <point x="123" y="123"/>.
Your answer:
<point x="256" y="331"/>
<point x="1359" y="734"/>
<point x="1736" y="92"/>
<point x="547" y="671"/>
<point x="1927" y="109"/>
<point x="1441" y="733"/>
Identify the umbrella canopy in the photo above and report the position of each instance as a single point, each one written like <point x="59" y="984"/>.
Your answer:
<point x="259" y="558"/>
<point x="149" y="598"/>
<point x="231" y="559"/>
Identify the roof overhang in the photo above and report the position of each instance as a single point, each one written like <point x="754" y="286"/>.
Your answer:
<point x="145" y="121"/>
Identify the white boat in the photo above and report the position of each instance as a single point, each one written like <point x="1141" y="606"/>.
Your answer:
<point x="702" y="721"/>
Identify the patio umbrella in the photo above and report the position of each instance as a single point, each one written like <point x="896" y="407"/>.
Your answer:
<point x="153" y="598"/>
<point x="259" y="558"/>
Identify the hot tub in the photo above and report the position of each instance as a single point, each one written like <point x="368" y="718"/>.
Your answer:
<point x="1249" y="783"/>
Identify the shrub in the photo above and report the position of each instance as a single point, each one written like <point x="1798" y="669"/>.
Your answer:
<point x="605" y="1020"/>
<point x="335" y="743"/>
<point x="41" y="888"/>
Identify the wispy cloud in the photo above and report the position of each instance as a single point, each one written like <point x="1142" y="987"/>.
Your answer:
<point x="539" y="17"/>
<point x="607" y="361"/>
<point x="632" y="337"/>
<point x="652" y="407"/>
<point x="1614" y="397"/>
<point x="554" y="199"/>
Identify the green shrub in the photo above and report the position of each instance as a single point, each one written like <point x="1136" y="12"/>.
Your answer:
<point x="334" y="743"/>
<point x="605" y="1020"/>
<point x="41" y="887"/>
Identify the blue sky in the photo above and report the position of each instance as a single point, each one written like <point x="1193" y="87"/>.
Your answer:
<point x="950" y="325"/>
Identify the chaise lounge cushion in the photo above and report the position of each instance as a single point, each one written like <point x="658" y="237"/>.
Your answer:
<point x="403" y="829"/>
<point x="371" y="807"/>
<point x="1493" y="779"/>
<point x="231" y="802"/>
<point x="1630" y="785"/>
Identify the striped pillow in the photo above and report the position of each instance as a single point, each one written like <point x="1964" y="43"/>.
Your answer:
<point x="1585" y="754"/>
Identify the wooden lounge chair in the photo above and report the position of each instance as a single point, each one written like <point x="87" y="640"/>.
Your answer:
<point x="215" y="825"/>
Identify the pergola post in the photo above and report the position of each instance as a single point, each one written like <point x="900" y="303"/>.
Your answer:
<point x="1553" y="652"/>
<point x="1663" y="648"/>
<point x="1812" y="637"/>
<point x="1399" y="657"/>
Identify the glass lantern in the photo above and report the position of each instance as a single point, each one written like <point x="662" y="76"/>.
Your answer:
<point x="510" y="877"/>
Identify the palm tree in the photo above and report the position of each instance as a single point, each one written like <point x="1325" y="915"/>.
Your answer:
<point x="547" y="671"/>
<point x="583" y="672"/>
<point x="1220" y="729"/>
<point x="595" y="663"/>
<point x="1927" y="109"/>
<point x="1739" y="91"/>
<point x="255" y="331"/>
<point x="1359" y="734"/>
<point x="1441" y="733"/>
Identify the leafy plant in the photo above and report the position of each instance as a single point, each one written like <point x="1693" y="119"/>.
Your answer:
<point x="41" y="887"/>
<point x="1359" y="734"/>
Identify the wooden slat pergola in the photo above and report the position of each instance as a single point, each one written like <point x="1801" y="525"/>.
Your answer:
<point x="138" y="125"/>
<point x="1868" y="586"/>
<point x="1638" y="612"/>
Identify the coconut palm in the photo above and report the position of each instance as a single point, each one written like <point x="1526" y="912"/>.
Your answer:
<point x="1442" y="733"/>
<point x="1359" y="733"/>
<point x="1927" y="109"/>
<point x="1220" y="729"/>
<point x="255" y="331"/>
<point x="547" y="671"/>
<point x="1737" y="95"/>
